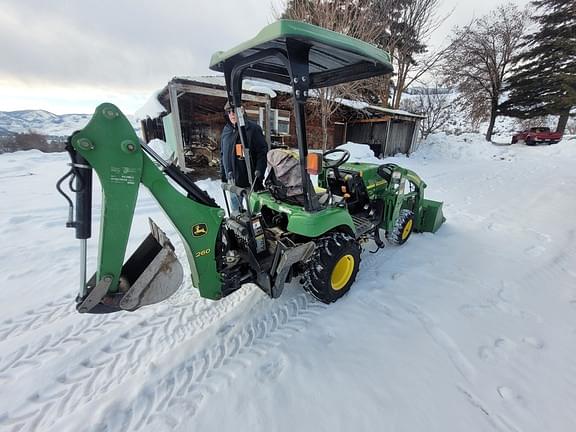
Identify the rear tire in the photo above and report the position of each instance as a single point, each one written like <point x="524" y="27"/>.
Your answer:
<point x="402" y="228"/>
<point x="333" y="267"/>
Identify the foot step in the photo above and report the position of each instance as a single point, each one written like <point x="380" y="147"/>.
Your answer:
<point x="363" y="225"/>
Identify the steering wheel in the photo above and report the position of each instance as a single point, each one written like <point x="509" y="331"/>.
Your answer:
<point x="335" y="163"/>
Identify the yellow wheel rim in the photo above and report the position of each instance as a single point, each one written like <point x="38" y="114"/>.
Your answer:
<point x="342" y="272"/>
<point x="407" y="229"/>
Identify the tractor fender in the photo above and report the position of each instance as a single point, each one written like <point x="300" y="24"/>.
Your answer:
<point x="318" y="223"/>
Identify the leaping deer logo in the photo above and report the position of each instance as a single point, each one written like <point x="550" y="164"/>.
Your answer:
<point x="199" y="230"/>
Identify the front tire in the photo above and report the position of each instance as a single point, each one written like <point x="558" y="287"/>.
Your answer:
<point x="402" y="228"/>
<point x="333" y="267"/>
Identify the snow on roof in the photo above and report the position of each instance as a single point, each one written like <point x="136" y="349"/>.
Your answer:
<point x="151" y="109"/>
<point x="257" y="86"/>
<point x="359" y="105"/>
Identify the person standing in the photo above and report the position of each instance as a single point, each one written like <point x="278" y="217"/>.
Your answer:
<point x="232" y="163"/>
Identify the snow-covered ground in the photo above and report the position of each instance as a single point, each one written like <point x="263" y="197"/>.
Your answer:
<point x="469" y="329"/>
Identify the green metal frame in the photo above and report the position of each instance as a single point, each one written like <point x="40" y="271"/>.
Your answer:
<point x="334" y="58"/>
<point x="305" y="57"/>
<point x="303" y="223"/>
<point x="112" y="148"/>
<point x="427" y="213"/>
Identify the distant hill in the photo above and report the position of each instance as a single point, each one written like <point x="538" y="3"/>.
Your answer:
<point x="46" y="123"/>
<point x="5" y="132"/>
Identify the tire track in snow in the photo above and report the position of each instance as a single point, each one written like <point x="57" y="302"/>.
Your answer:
<point x="73" y="336"/>
<point x="560" y="264"/>
<point x="462" y="365"/>
<point x="570" y="386"/>
<point x="180" y="392"/>
<point x="498" y="422"/>
<point x="125" y="355"/>
<point x="36" y="318"/>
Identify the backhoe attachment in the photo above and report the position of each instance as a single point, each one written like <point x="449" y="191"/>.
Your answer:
<point x="109" y="146"/>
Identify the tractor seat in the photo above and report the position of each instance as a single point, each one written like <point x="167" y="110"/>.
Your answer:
<point x="350" y="186"/>
<point x="284" y="179"/>
<point x="323" y="196"/>
<point x="385" y="171"/>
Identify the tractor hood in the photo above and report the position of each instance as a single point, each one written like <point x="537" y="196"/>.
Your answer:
<point x="334" y="58"/>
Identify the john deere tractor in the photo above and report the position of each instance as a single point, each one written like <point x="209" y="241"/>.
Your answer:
<point x="312" y="233"/>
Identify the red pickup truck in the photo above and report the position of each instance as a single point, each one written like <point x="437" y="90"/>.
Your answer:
<point x="537" y="135"/>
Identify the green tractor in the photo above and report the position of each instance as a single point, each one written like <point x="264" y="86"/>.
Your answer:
<point x="315" y="236"/>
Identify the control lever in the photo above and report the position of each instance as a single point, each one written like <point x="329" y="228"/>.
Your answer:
<point x="257" y="175"/>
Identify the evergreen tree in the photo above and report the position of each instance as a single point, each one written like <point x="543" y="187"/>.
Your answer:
<point x="543" y="81"/>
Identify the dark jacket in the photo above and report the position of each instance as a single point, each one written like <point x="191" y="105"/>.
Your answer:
<point x="235" y="167"/>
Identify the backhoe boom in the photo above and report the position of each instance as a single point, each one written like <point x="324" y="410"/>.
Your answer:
<point x="110" y="146"/>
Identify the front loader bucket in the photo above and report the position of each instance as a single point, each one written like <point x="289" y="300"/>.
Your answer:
<point x="153" y="272"/>
<point x="432" y="216"/>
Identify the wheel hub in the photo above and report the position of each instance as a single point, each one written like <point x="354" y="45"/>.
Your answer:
<point x="406" y="230"/>
<point x="342" y="272"/>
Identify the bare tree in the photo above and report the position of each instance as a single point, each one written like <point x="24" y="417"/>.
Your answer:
<point x="405" y="26"/>
<point x="478" y="59"/>
<point x="349" y="17"/>
<point x="436" y="107"/>
<point x="421" y="20"/>
<point x="400" y="27"/>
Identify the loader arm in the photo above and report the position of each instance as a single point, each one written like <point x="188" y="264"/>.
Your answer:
<point x="111" y="148"/>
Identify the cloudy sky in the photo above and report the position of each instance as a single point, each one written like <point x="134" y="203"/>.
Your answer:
<point x="68" y="56"/>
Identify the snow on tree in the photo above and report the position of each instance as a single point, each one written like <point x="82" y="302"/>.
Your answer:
<point x="435" y="104"/>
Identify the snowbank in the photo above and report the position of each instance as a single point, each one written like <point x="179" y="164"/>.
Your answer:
<point x="359" y="152"/>
<point x="465" y="146"/>
<point x="163" y="149"/>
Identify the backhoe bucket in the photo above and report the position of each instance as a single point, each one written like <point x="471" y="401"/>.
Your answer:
<point x="153" y="272"/>
<point x="151" y="275"/>
<point x="432" y="216"/>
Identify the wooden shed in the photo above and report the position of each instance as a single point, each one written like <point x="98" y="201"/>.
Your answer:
<point x="199" y="101"/>
<point x="195" y="131"/>
<point x="387" y="131"/>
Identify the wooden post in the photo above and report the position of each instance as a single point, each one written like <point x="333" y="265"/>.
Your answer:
<point x="414" y="135"/>
<point x="387" y="136"/>
<point x="143" y="129"/>
<point x="177" y="127"/>
<point x="267" y="122"/>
